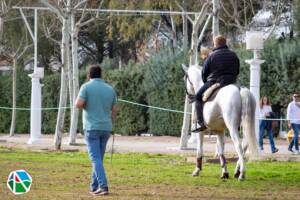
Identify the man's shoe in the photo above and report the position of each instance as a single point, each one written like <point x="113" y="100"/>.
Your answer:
<point x="291" y="150"/>
<point x="261" y="148"/>
<point x="201" y="127"/>
<point x="297" y="152"/>
<point x="92" y="191"/>
<point x="101" y="191"/>
<point x="275" y="150"/>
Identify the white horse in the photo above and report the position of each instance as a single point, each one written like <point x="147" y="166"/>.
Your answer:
<point x="230" y="108"/>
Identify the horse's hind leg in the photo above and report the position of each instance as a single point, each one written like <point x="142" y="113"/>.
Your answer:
<point x="220" y="146"/>
<point x="199" y="154"/>
<point x="240" y="168"/>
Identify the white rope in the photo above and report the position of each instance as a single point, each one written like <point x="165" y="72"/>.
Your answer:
<point x="137" y="104"/>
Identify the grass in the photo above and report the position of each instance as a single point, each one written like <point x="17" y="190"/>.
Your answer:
<point x="58" y="175"/>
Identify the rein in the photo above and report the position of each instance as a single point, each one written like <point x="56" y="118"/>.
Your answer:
<point x="112" y="148"/>
<point x="186" y="77"/>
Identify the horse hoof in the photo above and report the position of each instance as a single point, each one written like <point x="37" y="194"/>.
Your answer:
<point x="241" y="177"/>
<point x="195" y="173"/>
<point x="225" y="175"/>
<point x="237" y="174"/>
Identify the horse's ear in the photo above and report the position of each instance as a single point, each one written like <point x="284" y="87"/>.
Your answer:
<point x="184" y="68"/>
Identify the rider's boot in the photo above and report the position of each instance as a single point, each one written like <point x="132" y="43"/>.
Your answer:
<point x="199" y="111"/>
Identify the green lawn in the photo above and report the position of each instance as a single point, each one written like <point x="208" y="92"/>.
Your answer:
<point x="144" y="176"/>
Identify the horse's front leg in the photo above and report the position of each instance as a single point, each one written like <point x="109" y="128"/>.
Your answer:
<point x="199" y="154"/>
<point x="220" y="146"/>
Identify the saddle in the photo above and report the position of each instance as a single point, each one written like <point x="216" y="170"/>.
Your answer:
<point x="211" y="92"/>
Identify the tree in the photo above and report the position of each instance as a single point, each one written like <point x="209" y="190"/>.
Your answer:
<point x="63" y="12"/>
<point x="75" y="28"/>
<point x="13" y="50"/>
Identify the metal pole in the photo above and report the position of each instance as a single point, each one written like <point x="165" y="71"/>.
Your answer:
<point x="35" y="39"/>
<point x="118" y="11"/>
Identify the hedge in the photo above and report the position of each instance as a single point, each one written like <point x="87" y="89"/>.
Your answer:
<point x="165" y="88"/>
<point x="157" y="82"/>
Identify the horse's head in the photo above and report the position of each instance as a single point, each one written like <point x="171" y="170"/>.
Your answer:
<point x="192" y="78"/>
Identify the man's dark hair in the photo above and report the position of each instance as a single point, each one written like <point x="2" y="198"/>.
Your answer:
<point x="95" y="71"/>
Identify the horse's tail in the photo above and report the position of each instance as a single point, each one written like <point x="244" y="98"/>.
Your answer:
<point x="248" y="121"/>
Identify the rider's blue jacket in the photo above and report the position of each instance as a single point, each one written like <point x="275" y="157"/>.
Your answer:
<point x="221" y="66"/>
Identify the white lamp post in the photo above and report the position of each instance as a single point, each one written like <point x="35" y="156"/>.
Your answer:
<point x="36" y="104"/>
<point x="254" y="42"/>
<point x="38" y="73"/>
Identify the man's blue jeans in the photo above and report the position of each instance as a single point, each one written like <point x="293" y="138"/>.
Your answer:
<point x="266" y="124"/>
<point x="96" y="144"/>
<point x="296" y="128"/>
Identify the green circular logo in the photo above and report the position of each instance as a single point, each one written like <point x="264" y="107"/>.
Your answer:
<point x="19" y="182"/>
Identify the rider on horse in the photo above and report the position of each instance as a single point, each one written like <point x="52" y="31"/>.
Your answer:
<point x="222" y="66"/>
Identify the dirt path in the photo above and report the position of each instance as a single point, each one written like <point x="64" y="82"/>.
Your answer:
<point x="138" y="144"/>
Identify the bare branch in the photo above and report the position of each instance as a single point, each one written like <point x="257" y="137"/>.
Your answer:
<point x="47" y="32"/>
<point x="229" y="23"/>
<point x="203" y="29"/>
<point x="224" y="9"/>
<point x="81" y="24"/>
<point x="276" y="19"/>
<point x="57" y="10"/>
<point x="252" y="9"/>
<point x="80" y="3"/>
<point x="200" y="17"/>
<point x="100" y="6"/>
<point x="24" y="50"/>
<point x="82" y="14"/>
<point x="87" y="22"/>
<point x="183" y="10"/>
<point x="60" y="2"/>
<point x="233" y="16"/>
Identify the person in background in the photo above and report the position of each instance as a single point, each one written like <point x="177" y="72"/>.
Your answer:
<point x="204" y="53"/>
<point x="98" y="101"/>
<point x="293" y="117"/>
<point x="265" y="111"/>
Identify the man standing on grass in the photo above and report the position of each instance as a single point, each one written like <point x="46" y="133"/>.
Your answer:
<point x="98" y="101"/>
<point x="293" y="117"/>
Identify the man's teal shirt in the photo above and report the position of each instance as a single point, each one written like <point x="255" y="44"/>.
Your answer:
<point x="99" y="99"/>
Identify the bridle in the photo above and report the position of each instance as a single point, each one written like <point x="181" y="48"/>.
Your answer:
<point x="186" y="77"/>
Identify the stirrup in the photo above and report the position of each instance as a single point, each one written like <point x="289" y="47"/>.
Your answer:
<point x="202" y="127"/>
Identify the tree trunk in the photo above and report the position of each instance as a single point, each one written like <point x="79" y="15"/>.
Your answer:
<point x="194" y="46"/>
<point x="215" y="24"/>
<point x="1" y="27"/>
<point x="75" y="80"/>
<point x="193" y="61"/>
<point x="69" y="65"/>
<point x="199" y="18"/>
<point x="63" y="85"/>
<point x="14" y="99"/>
<point x="174" y="38"/>
<point x="184" y="28"/>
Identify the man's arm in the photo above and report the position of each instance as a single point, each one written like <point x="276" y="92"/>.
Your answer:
<point x="288" y="115"/>
<point x="114" y="112"/>
<point x="80" y="103"/>
<point x="81" y="98"/>
<point x="238" y="65"/>
<point x="205" y="70"/>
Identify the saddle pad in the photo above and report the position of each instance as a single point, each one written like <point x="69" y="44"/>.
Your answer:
<point x="208" y="93"/>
